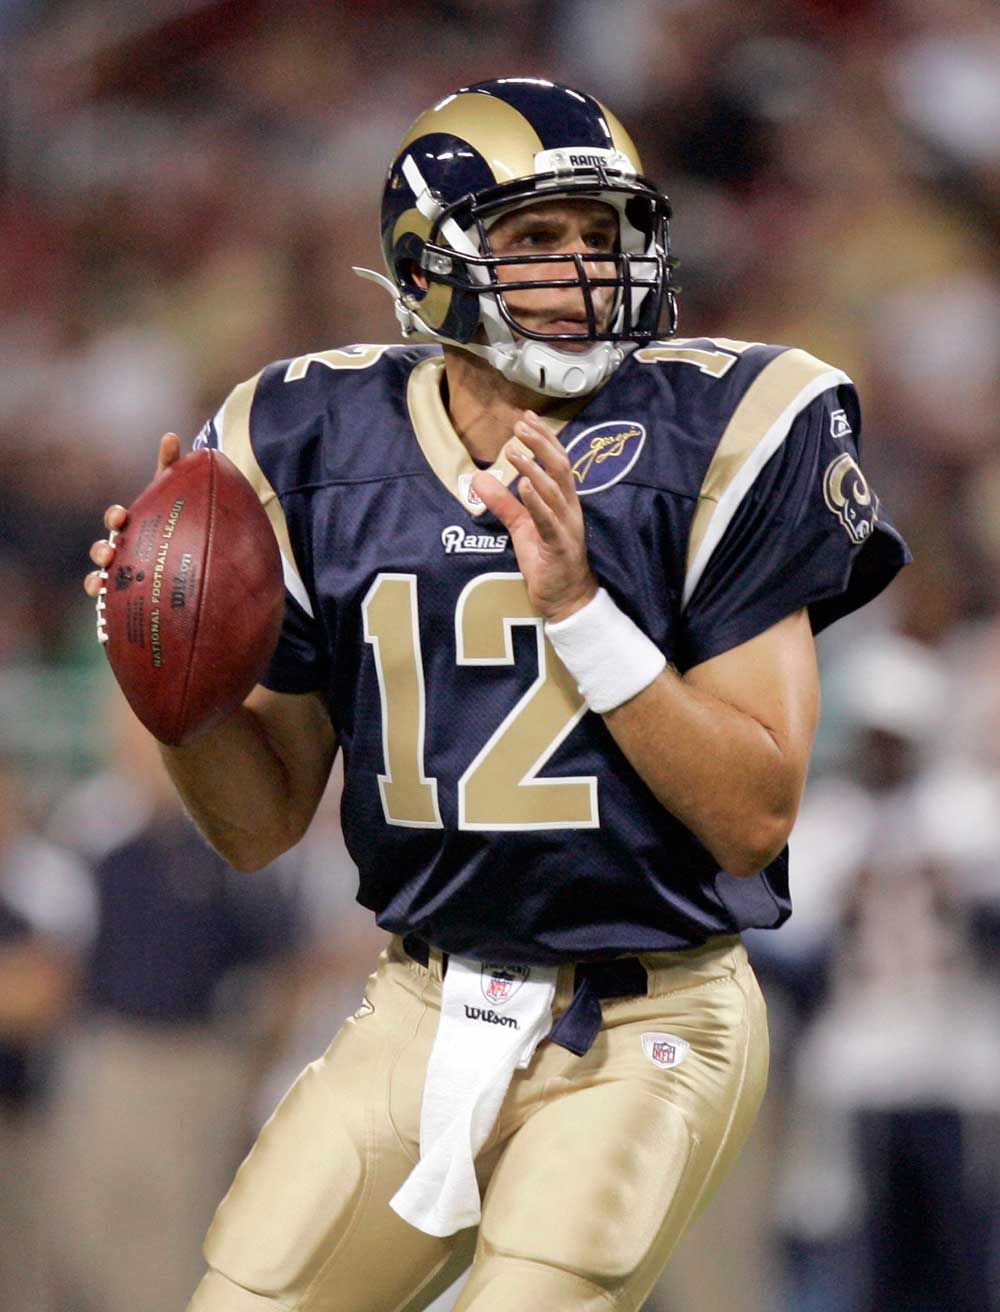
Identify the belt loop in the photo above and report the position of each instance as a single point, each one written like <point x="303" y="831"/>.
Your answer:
<point x="435" y="963"/>
<point x="654" y="973"/>
<point x="720" y="955"/>
<point x="565" y="986"/>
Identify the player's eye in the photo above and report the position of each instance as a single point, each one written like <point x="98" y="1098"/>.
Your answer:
<point x="536" y="238"/>
<point x="601" y="239"/>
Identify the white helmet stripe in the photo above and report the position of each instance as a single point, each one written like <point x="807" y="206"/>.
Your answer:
<point x="457" y="239"/>
<point x="427" y="204"/>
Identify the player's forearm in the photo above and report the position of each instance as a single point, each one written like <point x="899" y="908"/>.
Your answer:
<point x="235" y="788"/>
<point x="723" y="774"/>
<point x="252" y="785"/>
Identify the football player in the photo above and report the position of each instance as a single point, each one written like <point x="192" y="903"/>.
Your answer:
<point x="553" y="576"/>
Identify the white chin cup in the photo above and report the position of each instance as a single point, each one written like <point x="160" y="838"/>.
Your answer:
<point x="547" y="369"/>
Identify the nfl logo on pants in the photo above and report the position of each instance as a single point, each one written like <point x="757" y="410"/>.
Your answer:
<point x="665" y="1050"/>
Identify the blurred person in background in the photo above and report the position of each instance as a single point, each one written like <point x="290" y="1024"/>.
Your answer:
<point x="47" y="922"/>
<point x="186" y="991"/>
<point x="340" y="940"/>
<point x="889" y="1189"/>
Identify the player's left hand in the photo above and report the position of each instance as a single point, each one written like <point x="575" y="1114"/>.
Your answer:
<point x="546" y="525"/>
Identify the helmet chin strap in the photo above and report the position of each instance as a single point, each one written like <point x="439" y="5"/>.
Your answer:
<point x="547" y="369"/>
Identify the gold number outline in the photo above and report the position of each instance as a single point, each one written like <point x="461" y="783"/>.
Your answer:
<point x="551" y="674"/>
<point x="340" y="357"/>
<point x="424" y="789"/>
<point x="403" y="755"/>
<point x="714" y="363"/>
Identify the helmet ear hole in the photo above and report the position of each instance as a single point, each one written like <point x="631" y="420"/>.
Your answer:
<point x="411" y="275"/>
<point x="448" y="311"/>
<point x="406" y="264"/>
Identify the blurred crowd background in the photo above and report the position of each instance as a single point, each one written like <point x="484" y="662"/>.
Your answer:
<point x="184" y="185"/>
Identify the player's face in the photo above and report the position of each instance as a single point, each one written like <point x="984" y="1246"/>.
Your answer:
<point x="557" y="227"/>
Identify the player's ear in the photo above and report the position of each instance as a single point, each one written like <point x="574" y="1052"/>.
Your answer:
<point x="413" y="273"/>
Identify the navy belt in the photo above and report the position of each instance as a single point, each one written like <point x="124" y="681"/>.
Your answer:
<point x="578" y="1026"/>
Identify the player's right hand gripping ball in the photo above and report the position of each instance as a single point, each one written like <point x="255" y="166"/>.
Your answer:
<point x="193" y="600"/>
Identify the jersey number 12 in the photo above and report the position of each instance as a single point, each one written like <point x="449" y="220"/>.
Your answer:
<point x="500" y="788"/>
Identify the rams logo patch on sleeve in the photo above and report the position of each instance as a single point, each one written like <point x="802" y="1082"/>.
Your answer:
<point x="847" y="494"/>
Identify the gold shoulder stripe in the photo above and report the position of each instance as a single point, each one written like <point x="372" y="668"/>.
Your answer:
<point x="756" y="429"/>
<point x="501" y="134"/>
<point x="234" y="441"/>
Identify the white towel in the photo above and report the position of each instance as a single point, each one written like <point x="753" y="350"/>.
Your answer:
<point x="492" y="1020"/>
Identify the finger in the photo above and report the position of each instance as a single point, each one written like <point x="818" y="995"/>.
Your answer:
<point x="499" y="500"/>
<point x="543" y="483"/>
<point x="94" y="582"/>
<point x="545" y="447"/>
<point x="545" y="520"/>
<point x="169" y="452"/>
<point x="534" y="420"/>
<point x="102" y="553"/>
<point x="115" y="517"/>
<point x="556" y="460"/>
<point x="538" y="434"/>
<point x="548" y="454"/>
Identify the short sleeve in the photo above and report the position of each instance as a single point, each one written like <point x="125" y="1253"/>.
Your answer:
<point x="809" y="531"/>
<point x="299" y="663"/>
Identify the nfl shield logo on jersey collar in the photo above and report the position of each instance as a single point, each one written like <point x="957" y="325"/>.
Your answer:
<point x="467" y="494"/>
<point x="500" y="983"/>
<point x="665" y="1050"/>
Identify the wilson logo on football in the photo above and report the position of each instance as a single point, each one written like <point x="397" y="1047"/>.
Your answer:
<point x="665" y="1050"/>
<point x="500" y="983"/>
<point x="602" y="455"/>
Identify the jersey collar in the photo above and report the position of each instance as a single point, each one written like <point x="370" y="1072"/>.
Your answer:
<point x="441" y="445"/>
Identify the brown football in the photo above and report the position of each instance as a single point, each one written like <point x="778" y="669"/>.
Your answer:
<point x="193" y="600"/>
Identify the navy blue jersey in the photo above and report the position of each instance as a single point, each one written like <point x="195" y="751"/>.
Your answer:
<point x="487" y="810"/>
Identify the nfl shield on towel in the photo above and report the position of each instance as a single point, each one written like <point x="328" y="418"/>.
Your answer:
<point x="500" y="983"/>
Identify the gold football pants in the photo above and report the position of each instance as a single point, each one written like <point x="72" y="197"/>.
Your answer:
<point x="595" y="1167"/>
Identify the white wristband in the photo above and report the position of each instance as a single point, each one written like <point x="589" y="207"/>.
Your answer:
<point x="609" y="656"/>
